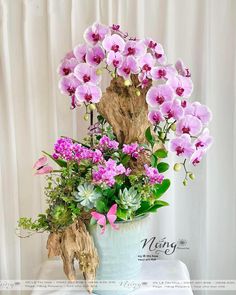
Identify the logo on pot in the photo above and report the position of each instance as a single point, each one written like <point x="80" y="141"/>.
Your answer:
<point x="163" y="246"/>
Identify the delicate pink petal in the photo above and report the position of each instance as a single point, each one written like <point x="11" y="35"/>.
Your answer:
<point x="155" y="117"/>
<point x="172" y="109"/>
<point x="40" y="162"/>
<point x="88" y="92"/>
<point x="115" y="59"/>
<point x="68" y="84"/>
<point x="200" y="111"/>
<point x="114" y="43"/>
<point x="44" y="170"/>
<point x="182" y="146"/>
<point x="163" y="72"/>
<point x="181" y="69"/>
<point x="95" y="56"/>
<point x="197" y="157"/>
<point x="80" y="52"/>
<point x="182" y="86"/>
<point x="189" y="125"/>
<point x="67" y="66"/>
<point x="135" y="48"/>
<point x="157" y="95"/>
<point x="96" y="33"/>
<point x="204" y="141"/>
<point x="86" y="74"/>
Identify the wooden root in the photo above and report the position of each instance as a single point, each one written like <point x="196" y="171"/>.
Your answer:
<point x="75" y="243"/>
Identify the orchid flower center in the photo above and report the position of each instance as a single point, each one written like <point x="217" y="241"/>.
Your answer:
<point x="152" y="44"/>
<point x="179" y="150"/>
<point x="95" y="37"/>
<point x="158" y="55"/>
<point x="88" y="97"/>
<point x="115" y="47"/>
<point x="97" y="59"/>
<point x="170" y="114"/>
<point x="160" y="99"/>
<point x="146" y="68"/>
<point x="131" y="51"/>
<point x="156" y="118"/>
<point x="66" y="71"/>
<point x="115" y="27"/>
<point x="188" y="74"/>
<point x="71" y="90"/>
<point x="86" y="78"/>
<point x="162" y="73"/>
<point x="183" y="104"/>
<point x="115" y="63"/>
<point x="179" y="91"/>
<point x="196" y="161"/>
<point x="199" y="144"/>
<point x="126" y="70"/>
<point x="186" y="130"/>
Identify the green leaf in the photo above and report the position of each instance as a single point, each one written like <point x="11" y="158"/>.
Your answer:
<point x="125" y="159"/>
<point x="161" y="153"/>
<point x="122" y="214"/>
<point x="145" y="205"/>
<point x="160" y="189"/>
<point x="100" y="206"/>
<point x="154" y="161"/>
<point x="59" y="162"/>
<point x="162" y="167"/>
<point x="93" y="221"/>
<point x="149" y="136"/>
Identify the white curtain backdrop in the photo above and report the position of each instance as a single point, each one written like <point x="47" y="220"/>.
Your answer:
<point x="34" y="35"/>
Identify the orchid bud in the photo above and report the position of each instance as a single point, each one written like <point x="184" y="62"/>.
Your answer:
<point x="92" y="107"/>
<point x="173" y="127"/>
<point x="191" y="176"/>
<point x="177" y="167"/>
<point x="99" y="72"/>
<point x="127" y="83"/>
<point x="86" y="117"/>
<point x="185" y="183"/>
<point x="138" y="93"/>
<point x="113" y="75"/>
<point x="162" y="135"/>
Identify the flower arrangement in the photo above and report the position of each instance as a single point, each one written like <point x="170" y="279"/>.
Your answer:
<point x="118" y="172"/>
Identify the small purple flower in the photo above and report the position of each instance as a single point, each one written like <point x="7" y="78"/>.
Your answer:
<point x="106" y="143"/>
<point x="180" y="67"/>
<point x="155" y="117"/>
<point x="172" y="109"/>
<point x="189" y="125"/>
<point x="197" y="157"/>
<point x="95" y="33"/>
<point x="80" y="52"/>
<point x="115" y="59"/>
<point x="204" y="141"/>
<point x="95" y="56"/>
<point x="153" y="175"/>
<point x="86" y="74"/>
<point x="200" y="111"/>
<point x="182" y="86"/>
<point x="67" y="66"/>
<point x="128" y="67"/>
<point x="88" y="92"/>
<point x="114" y="43"/>
<point x="132" y="149"/>
<point x="135" y="48"/>
<point x="157" y="95"/>
<point x="97" y="156"/>
<point x="163" y="72"/>
<point x="182" y="146"/>
<point x="68" y="84"/>
<point x="146" y="63"/>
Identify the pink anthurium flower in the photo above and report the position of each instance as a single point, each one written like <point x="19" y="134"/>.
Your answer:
<point x="95" y="56"/>
<point x="42" y="167"/>
<point x="110" y="216"/>
<point x="96" y="33"/>
<point x="182" y="146"/>
<point x="88" y="92"/>
<point x="114" y="43"/>
<point x="86" y="73"/>
<point x="157" y="95"/>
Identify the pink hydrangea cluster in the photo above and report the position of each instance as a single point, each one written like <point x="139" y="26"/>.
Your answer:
<point x="132" y="149"/>
<point x="107" y="172"/>
<point x="66" y="149"/>
<point x="106" y="143"/>
<point x="153" y="175"/>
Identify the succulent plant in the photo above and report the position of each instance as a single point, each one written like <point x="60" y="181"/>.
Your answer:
<point x="129" y="199"/>
<point x="87" y="195"/>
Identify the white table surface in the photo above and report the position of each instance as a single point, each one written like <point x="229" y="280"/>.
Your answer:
<point x="156" y="270"/>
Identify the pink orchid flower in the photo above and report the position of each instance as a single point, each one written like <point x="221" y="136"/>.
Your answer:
<point x="86" y="73"/>
<point x="182" y="86"/>
<point x="113" y="43"/>
<point x="95" y="56"/>
<point x="146" y="63"/>
<point x="67" y="66"/>
<point x="163" y="72"/>
<point x="200" y="111"/>
<point x="115" y="59"/>
<point x="172" y="109"/>
<point x="135" y="48"/>
<point x="68" y="84"/>
<point x="143" y="79"/>
<point x="197" y="157"/>
<point x="80" y="52"/>
<point x="204" y="141"/>
<point x="182" y="146"/>
<point x="88" y="92"/>
<point x="157" y="95"/>
<point x="155" y="117"/>
<point x="96" y="33"/>
<point x="42" y="167"/>
<point x="110" y="217"/>
<point x="159" y="54"/>
<point x="190" y="125"/>
<point x="180" y="67"/>
<point x="128" y="67"/>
